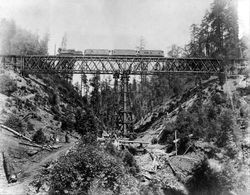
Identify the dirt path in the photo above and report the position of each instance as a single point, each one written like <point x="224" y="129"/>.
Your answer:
<point x="31" y="168"/>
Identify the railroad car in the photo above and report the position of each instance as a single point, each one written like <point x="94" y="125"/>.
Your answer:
<point x="96" y="52"/>
<point x="78" y="53"/>
<point x="69" y="52"/>
<point x="123" y="52"/>
<point x="156" y="53"/>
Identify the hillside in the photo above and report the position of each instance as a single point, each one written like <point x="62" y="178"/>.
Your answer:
<point x="41" y="108"/>
<point x="212" y="138"/>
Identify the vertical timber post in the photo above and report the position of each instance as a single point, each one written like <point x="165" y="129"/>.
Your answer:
<point x="176" y="146"/>
<point x="125" y="80"/>
<point x="14" y="64"/>
<point x="116" y="101"/>
<point x="81" y="83"/>
<point x="22" y="65"/>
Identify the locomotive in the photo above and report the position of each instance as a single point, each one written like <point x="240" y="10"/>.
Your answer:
<point x="69" y="52"/>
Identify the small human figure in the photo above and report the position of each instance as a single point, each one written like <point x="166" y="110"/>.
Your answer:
<point x="54" y="137"/>
<point x="140" y="146"/>
<point x="67" y="137"/>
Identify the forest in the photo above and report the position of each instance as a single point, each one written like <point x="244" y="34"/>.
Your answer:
<point x="217" y="36"/>
<point x="192" y="131"/>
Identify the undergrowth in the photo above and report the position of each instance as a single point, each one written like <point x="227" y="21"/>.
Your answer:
<point x="7" y="85"/>
<point x="76" y="171"/>
<point x="211" y="180"/>
<point x="14" y="122"/>
<point x="214" y="122"/>
<point x="39" y="137"/>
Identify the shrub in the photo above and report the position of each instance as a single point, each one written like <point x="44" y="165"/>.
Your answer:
<point x="86" y="125"/>
<point x="247" y="90"/>
<point x="227" y="127"/>
<point x="53" y="98"/>
<point x="167" y="135"/>
<point x="129" y="161"/>
<point x="7" y="85"/>
<point x="222" y="79"/>
<point x="154" y="140"/>
<point x="111" y="149"/>
<point x="29" y="105"/>
<point x="77" y="170"/>
<point x="57" y="117"/>
<point x="132" y="150"/>
<point x="218" y="98"/>
<point x="39" y="137"/>
<point x="55" y="110"/>
<point x="30" y="127"/>
<point x="15" y="123"/>
<point x="208" y="179"/>
<point x="25" y="73"/>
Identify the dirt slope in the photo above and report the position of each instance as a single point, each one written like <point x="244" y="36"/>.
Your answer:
<point x="5" y="188"/>
<point x="154" y="123"/>
<point x="29" y="104"/>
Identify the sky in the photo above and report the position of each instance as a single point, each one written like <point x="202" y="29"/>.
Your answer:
<point x="244" y="17"/>
<point x="113" y="24"/>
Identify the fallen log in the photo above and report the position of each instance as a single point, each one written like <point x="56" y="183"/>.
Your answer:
<point x="101" y="139"/>
<point x="131" y="142"/>
<point x="180" y="176"/>
<point x="147" y="175"/>
<point x="150" y="171"/>
<point x="36" y="145"/>
<point x="172" y="154"/>
<point x="172" y="168"/>
<point x="56" y="146"/>
<point x="185" y="157"/>
<point x="188" y="149"/>
<point x="15" y="132"/>
<point x="9" y="169"/>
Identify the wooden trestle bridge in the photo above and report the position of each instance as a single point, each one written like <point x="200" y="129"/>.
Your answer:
<point x="116" y="65"/>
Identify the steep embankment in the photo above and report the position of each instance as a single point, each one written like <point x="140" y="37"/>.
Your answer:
<point x="41" y="109"/>
<point x="212" y="140"/>
<point x="153" y="123"/>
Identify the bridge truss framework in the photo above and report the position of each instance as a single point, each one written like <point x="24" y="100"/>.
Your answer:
<point x="118" y="65"/>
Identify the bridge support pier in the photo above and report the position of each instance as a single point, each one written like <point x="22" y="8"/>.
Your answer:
<point x="125" y="114"/>
<point x="115" y="118"/>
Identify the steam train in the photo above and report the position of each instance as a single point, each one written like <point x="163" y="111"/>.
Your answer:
<point x="123" y="52"/>
<point x="115" y="52"/>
